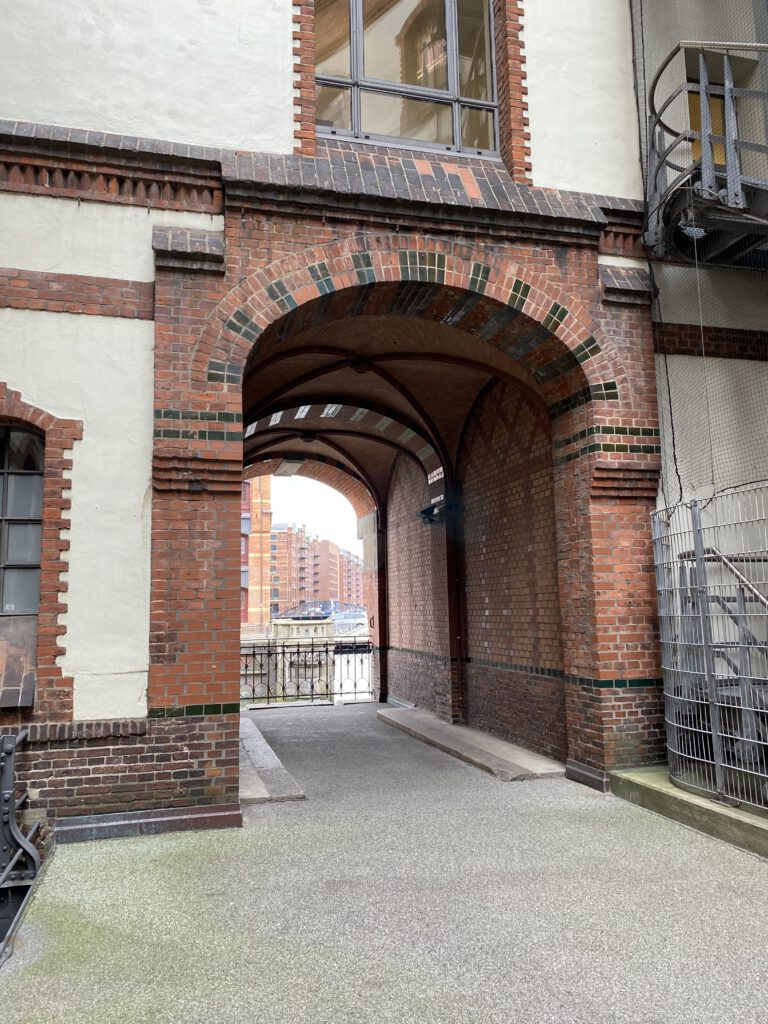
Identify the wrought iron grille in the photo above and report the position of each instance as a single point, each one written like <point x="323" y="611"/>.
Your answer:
<point x="19" y="859"/>
<point x="712" y="577"/>
<point x="312" y="671"/>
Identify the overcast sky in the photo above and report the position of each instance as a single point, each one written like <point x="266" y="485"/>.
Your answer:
<point x="322" y="510"/>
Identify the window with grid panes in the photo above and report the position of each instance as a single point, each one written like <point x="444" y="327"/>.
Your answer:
<point x="21" y="509"/>
<point x="407" y="70"/>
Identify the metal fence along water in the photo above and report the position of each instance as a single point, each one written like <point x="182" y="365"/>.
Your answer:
<point x="311" y="671"/>
<point x="712" y="576"/>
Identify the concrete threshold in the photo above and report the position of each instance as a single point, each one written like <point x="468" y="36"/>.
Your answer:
<point x="651" y="788"/>
<point x="505" y="761"/>
<point x="263" y="776"/>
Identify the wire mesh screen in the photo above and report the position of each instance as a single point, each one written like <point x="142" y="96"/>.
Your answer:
<point x="712" y="577"/>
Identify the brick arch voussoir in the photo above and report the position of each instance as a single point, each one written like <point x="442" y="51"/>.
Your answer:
<point x="242" y="316"/>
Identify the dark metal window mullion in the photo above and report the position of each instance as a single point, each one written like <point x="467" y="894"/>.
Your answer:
<point x="357" y="64"/>
<point x="452" y="46"/>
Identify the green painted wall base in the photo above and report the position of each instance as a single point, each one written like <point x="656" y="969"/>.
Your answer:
<point x="651" y="788"/>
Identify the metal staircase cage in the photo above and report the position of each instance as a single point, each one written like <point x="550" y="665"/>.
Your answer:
<point x="712" y="579"/>
<point x="708" y="155"/>
<point x="19" y="859"/>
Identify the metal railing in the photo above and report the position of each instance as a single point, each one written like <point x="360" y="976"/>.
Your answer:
<point x="712" y="578"/>
<point x="708" y="186"/>
<point x="316" y="670"/>
<point x="19" y="859"/>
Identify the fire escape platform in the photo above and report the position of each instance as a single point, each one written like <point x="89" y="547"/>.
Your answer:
<point x="506" y="761"/>
<point x="651" y="788"/>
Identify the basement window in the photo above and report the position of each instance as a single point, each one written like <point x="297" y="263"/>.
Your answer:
<point x="415" y="70"/>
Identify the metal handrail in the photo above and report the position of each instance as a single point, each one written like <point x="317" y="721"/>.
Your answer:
<point x="713" y="554"/>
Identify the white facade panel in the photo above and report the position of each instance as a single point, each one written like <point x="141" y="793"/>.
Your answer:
<point x="204" y="72"/>
<point x="581" y="97"/>
<point x="98" y="370"/>
<point x="62" y="236"/>
<point x="714" y="296"/>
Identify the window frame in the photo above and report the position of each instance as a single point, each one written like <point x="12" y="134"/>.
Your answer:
<point x="6" y="429"/>
<point x="358" y="82"/>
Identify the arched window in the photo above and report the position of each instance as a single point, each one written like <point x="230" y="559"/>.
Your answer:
<point x="416" y="70"/>
<point x="21" y="510"/>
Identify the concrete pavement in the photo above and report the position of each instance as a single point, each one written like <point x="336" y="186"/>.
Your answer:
<point x="407" y="887"/>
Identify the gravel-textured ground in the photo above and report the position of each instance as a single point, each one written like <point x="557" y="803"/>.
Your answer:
<point x="408" y="887"/>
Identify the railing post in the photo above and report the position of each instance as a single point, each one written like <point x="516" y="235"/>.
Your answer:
<point x="734" y="193"/>
<point x="708" y="181"/>
<point x="748" y="716"/>
<point x="706" y="640"/>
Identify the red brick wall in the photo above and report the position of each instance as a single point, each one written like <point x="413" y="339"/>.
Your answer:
<point x="109" y="767"/>
<point x="513" y="678"/>
<point x="418" y="659"/>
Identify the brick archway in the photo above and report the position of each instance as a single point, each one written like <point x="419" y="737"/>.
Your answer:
<point x="235" y="328"/>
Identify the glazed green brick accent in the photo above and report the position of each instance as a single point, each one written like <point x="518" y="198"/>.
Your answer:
<point x="416" y="265"/>
<point x="406" y="436"/>
<point x="195" y="414"/>
<point x="383" y="423"/>
<point x="605" y="392"/>
<point x="518" y="295"/>
<point x="359" y="415"/>
<point x="193" y="710"/>
<point x="240" y="323"/>
<point x="425" y="452"/>
<point x="322" y="277"/>
<point x="635" y="449"/>
<point x="278" y="292"/>
<point x="224" y="373"/>
<point x="615" y="684"/>
<point x="608" y="428"/>
<point x="478" y="280"/>
<point x="555" y="317"/>
<point x="363" y="265"/>
<point x="586" y="350"/>
<point x="198" y="435"/>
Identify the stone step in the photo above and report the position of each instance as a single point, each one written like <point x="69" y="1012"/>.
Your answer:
<point x="651" y="788"/>
<point x="506" y="761"/>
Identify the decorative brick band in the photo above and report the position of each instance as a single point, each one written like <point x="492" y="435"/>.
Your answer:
<point x="193" y="710"/>
<point x="173" y="471"/>
<point x="100" y="179"/>
<point x="626" y="480"/>
<point x="607" y="391"/>
<point x="76" y="293"/>
<point x="614" y="684"/>
<point x="716" y="342"/>
<point x="610" y="447"/>
<point x="63" y="732"/>
<point x="614" y="429"/>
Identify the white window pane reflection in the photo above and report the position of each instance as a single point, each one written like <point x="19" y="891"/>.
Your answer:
<point x="406" y="42"/>
<point x="23" y="542"/>
<point x="402" y="117"/>
<point x="25" y="497"/>
<point x="21" y="591"/>
<point x="474" y="50"/>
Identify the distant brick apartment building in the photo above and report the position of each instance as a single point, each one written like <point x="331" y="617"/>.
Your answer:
<point x="397" y="246"/>
<point x="283" y="565"/>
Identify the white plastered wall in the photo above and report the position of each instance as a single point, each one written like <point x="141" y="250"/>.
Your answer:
<point x="98" y="370"/>
<point x="714" y="424"/>
<point x="581" y="98"/>
<point x="204" y="72"/>
<point x="714" y="296"/>
<point x="63" y="236"/>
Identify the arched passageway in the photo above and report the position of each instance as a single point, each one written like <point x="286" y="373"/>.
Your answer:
<point x="488" y="417"/>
